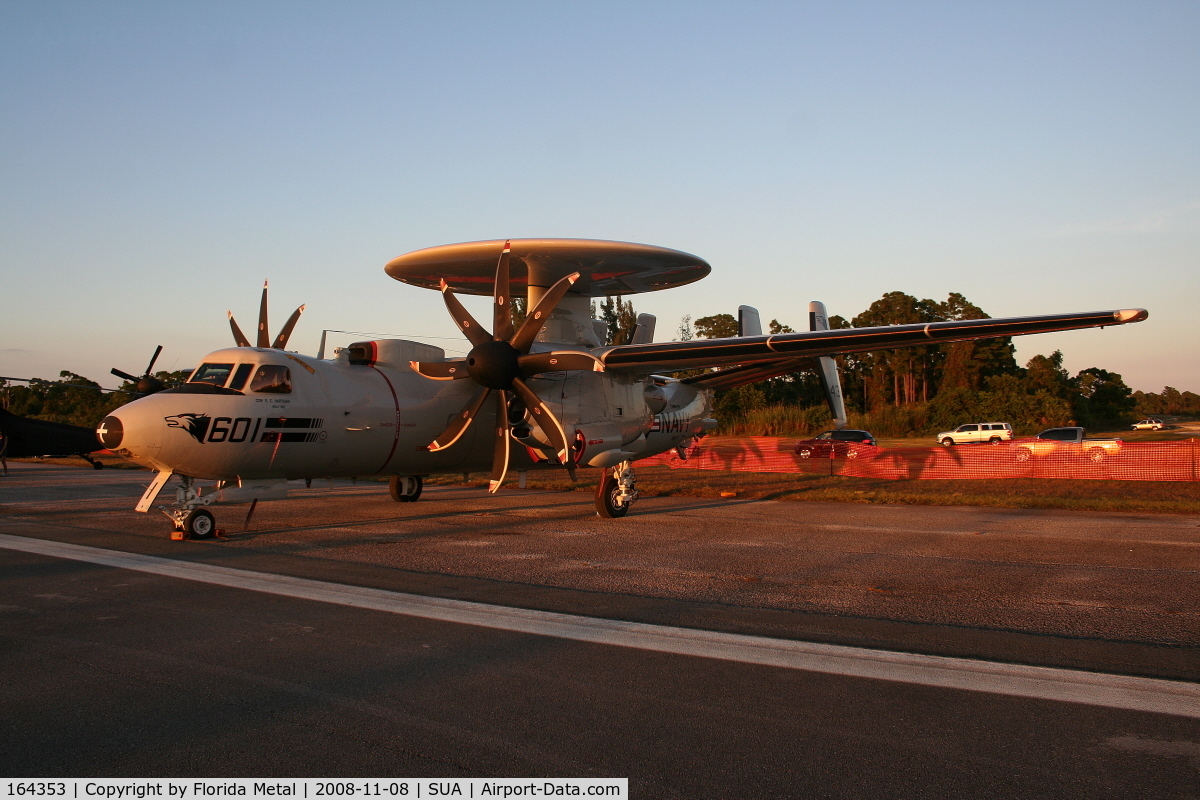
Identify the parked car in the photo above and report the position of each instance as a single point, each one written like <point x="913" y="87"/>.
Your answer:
<point x="991" y="432"/>
<point x="1066" y="442"/>
<point x="1149" y="424"/>
<point x="843" y="444"/>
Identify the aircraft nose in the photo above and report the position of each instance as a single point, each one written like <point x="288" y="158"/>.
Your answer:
<point x="110" y="432"/>
<point x="134" y="430"/>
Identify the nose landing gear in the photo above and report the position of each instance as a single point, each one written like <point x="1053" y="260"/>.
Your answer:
<point x="189" y="518"/>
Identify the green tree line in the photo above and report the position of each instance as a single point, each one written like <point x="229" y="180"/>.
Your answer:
<point x="72" y="398"/>
<point x="922" y="390"/>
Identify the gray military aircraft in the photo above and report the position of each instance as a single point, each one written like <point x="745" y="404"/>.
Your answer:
<point x="544" y="393"/>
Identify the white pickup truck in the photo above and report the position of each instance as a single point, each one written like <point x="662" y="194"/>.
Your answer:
<point x="1066" y="442"/>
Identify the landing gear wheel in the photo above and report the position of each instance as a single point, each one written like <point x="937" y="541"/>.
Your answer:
<point x="199" y="524"/>
<point x="405" y="488"/>
<point x="616" y="492"/>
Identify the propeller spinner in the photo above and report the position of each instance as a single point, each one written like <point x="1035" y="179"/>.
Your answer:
<point x="264" y="336"/>
<point x="500" y="363"/>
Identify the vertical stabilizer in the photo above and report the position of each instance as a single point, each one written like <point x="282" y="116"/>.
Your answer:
<point x="827" y="369"/>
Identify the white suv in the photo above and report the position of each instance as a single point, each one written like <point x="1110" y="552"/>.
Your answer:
<point x="991" y="432"/>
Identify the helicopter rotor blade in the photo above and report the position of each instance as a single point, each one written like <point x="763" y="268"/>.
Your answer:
<point x="122" y="374"/>
<point x="150" y="366"/>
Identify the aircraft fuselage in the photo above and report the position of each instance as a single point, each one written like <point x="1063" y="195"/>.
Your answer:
<point x="269" y="414"/>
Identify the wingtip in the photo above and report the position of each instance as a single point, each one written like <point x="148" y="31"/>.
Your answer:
<point x="1131" y="315"/>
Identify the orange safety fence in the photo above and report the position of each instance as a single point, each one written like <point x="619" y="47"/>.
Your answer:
<point x="1135" y="461"/>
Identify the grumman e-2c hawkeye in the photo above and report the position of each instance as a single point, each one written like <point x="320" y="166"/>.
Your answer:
<point x="542" y="394"/>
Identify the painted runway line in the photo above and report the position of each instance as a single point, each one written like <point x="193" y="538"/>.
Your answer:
<point x="1177" y="698"/>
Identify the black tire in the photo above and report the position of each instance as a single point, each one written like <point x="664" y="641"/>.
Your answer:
<point x="606" y="497"/>
<point x="994" y="440"/>
<point x="804" y="452"/>
<point x="947" y="442"/>
<point x="396" y="488"/>
<point x="200" y="524"/>
<point x="1024" y="454"/>
<point x="1096" y="455"/>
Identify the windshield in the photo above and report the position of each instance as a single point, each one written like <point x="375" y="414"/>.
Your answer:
<point x="215" y="374"/>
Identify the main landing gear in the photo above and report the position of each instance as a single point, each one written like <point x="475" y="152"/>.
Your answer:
<point x="405" y="488"/>
<point x="617" y="491"/>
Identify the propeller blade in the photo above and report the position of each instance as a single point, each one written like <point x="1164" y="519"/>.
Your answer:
<point x="264" y="338"/>
<point x="547" y="422"/>
<point x="238" y="337"/>
<point x="502" y="327"/>
<point x="502" y="443"/>
<point x="441" y="370"/>
<point x="463" y="319"/>
<point x="529" y="329"/>
<point x="460" y="424"/>
<point x="153" y="358"/>
<point x="537" y="363"/>
<point x="282" y="339"/>
<point x="125" y="375"/>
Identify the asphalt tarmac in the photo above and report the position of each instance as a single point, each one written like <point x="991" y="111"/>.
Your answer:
<point x="112" y="671"/>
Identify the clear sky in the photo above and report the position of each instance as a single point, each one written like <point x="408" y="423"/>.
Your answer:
<point x="159" y="160"/>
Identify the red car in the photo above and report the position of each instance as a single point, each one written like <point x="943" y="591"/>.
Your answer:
<point x="843" y="443"/>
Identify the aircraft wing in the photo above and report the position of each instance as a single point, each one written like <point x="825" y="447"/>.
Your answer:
<point x="758" y="357"/>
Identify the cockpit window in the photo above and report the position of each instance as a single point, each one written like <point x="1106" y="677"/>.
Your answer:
<point x="272" y="379"/>
<point x="215" y="374"/>
<point x="239" y="377"/>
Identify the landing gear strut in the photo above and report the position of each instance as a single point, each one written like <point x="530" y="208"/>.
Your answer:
<point x="617" y="491"/>
<point x="405" y="488"/>
<point x="188" y="515"/>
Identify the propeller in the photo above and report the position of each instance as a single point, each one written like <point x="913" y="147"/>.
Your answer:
<point x="147" y="383"/>
<point x="500" y="363"/>
<point x="264" y="336"/>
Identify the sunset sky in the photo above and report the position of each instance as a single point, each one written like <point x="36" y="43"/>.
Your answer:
<point x="159" y="160"/>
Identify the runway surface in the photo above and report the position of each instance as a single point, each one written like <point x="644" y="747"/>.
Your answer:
<point x="117" y="671"/>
